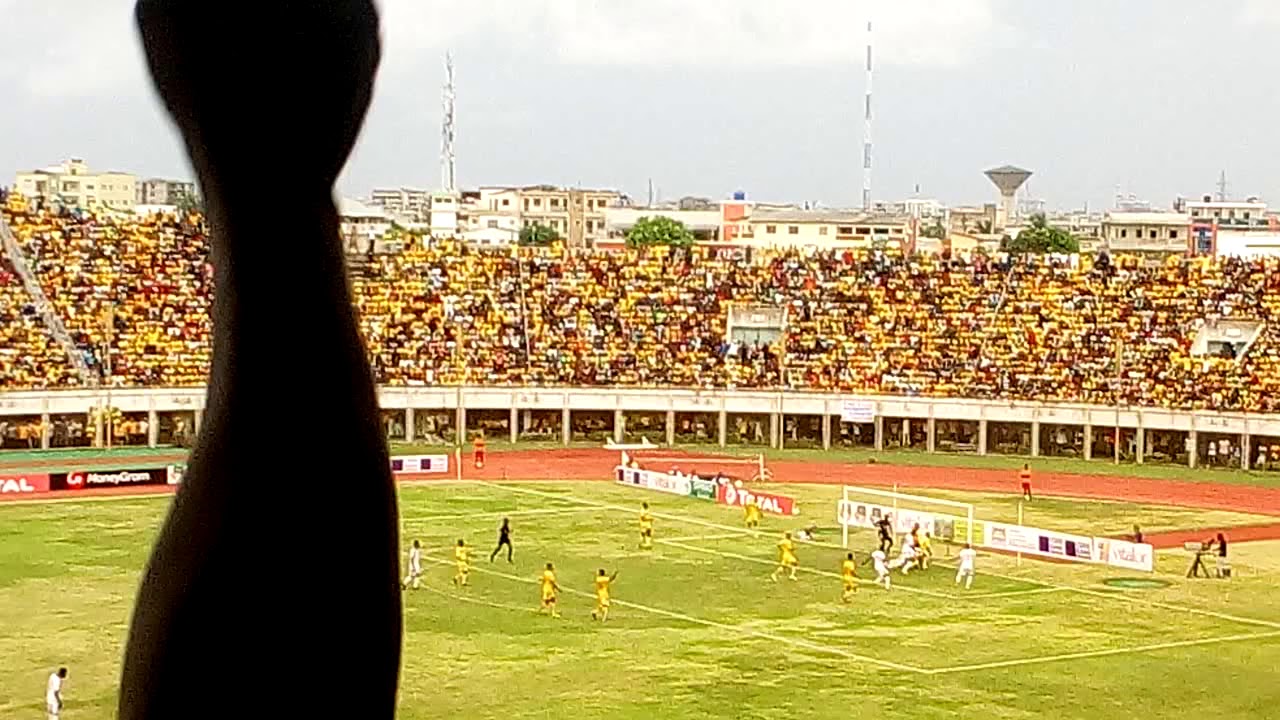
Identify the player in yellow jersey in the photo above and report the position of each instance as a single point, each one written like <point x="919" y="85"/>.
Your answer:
<point x="751" y="513"/>
<point x="602" y="595"/>
<point x="646" y="527"/>
<point x="461" y="558"/>
<point x="926" y="551"/>
<point x="786" y="558"/>
<point x="849" y="577"/>
<point x="549" y="591"/>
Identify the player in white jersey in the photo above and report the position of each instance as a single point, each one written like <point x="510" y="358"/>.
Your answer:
<point x="53" y="693"/>
<point x="877" y="558"/>
<point x="413" y="579"/>
<point x="906" y="558"/>
<point x="966" y="571"/>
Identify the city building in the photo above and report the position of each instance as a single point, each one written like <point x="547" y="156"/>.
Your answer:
<point x="409" y="203"/>
<point x="576" y="215"/>
<point x="774" y="227"/>
<point x="159" y="191"/>
<point x="704" y="224"/>
<point x="72" y="184"/>
<point x="361" y="225"/>
<point x="1153" y="233"/>
<point x="1244" y="228"/>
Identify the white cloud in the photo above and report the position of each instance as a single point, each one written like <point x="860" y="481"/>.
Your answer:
<point x="705" y="33"/>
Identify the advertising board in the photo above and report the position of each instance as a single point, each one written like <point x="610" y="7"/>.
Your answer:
<point x="767" y="502"/>
<point x="401" y="464"/>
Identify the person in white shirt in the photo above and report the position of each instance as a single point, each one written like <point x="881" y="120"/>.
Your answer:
<point x="878" y="559"/>
<point x="966" y="570"/>
<point x="413" y="579"/>
<point x="906" y="558"/>
<point x="53" y="693"/>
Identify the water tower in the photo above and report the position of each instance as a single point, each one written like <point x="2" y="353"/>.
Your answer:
<point x="1008" y="179"/>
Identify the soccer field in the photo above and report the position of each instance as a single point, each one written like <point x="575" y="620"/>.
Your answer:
<point x="697" y="629"/>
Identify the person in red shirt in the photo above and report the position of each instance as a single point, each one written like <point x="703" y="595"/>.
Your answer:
<point x="477" y="450"/>
<point x="1024" y="476"/>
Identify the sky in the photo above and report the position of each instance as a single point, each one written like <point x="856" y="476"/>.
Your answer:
<point x="708" y="97"/>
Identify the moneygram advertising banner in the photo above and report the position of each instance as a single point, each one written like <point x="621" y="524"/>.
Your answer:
<point x="767" y="502"/>
<point x="420" y="464"/>
<point x="651" y="480"/>
<point x="1034" y="541"/>
<point x="90" y="480"/>
<point x="24" y="484"/>
<point x="866" y="515"/>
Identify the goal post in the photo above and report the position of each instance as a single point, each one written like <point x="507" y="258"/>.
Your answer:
<point x="750" y="468"/>
<point x="863" y="507"/>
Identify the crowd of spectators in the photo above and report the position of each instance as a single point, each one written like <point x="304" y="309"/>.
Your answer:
<point x="1098" y="330"/>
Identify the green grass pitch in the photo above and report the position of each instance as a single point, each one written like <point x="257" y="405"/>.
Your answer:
<point x="697" y="629"/>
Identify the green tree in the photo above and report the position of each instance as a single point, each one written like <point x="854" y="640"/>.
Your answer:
<point x="1040" y="238"/>
<point x="188" y="203"/>
<point x="538" y="235"/>
<point x="935" y="231"/>
<point x="659" y="230"/>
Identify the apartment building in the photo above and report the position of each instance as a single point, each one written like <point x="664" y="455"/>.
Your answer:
<point x="73" y="184"/>
<point x="1154" y="233"/>
<point x="159" y="191"/>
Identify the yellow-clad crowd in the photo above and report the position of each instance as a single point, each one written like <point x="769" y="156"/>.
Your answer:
<point x="1080" y="329"/>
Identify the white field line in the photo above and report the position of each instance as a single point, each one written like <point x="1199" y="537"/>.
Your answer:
<point x="737" y="629"/>
<point x="696" y="538"/>
<point x="1013" y="593"/>
<point x="88" y="498"/>
<point x="460" y="596"/>
<point x="500" y="513"/>
<point x="1101" y="653"/>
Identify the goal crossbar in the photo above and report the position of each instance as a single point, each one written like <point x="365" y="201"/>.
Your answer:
<point x="901" y="517"/>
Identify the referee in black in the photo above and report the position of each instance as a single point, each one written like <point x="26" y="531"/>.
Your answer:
<point x="886" y="534"/>
<point x="504" y="538"/>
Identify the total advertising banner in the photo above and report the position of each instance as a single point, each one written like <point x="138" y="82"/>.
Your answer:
<point x="866" y="515"/>
<point x="651" y="480"/>
<point x="1034" y="541"/>
<point x="420" y="464"/>
<point x="767" y="502"/>
<point x="1124" y="554"/>
<point x="27" y="484"/>
<point x="88" y="480"/>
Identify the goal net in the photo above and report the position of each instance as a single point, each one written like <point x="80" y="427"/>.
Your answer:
<point x="751" y="468"/>
<point x="862" y="508"/>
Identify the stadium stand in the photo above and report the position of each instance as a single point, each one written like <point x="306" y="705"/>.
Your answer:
<point x="1037" y="328"/>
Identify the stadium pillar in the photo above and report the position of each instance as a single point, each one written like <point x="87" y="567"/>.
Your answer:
<point x="930" y="442"/>
<point x="619" y="426"/>
<point x="879" y="432"/>
<point x="982" y="436"/>
<point x="1035" y="438"/>
<point x="98" y="429"/>
<point x="408" y="424"/>
<point x="153" y="428"/>
<point x="1245" y="450"/>
<point x="1140" y="440"/>
<point x="513" y="426"/>
<point x="1193" y="448"/>
<point x="1088" y="442"/>
<point x="460" y="423"/>
<point x="723" y="429"/>
<point x="671" y="428"/>
<point x="196" y="417"/>
<point x="826" y="431"/>
<point x="775" y="430"/>
<point x="906" y="432"/>
<point x="46" y="430"/>
<point x="566" y="426"/>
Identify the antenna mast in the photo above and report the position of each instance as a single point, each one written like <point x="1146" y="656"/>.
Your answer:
<point x="448" y="164"/>
<point x="866" y="131"/>
<point x="1222" y="186"/>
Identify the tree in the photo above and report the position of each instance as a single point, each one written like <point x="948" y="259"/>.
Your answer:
<point x="935" y="231"/>
<point x="649" y="231"/>
<point x="1040" y="238"/>
<point x="188" y="203"/>
<point x="541" y="235"/>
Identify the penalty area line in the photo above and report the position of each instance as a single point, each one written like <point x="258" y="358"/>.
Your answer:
<point x="737" y="629"/>
<point x="503" y="513"/>
<point x="1101" y="653"/>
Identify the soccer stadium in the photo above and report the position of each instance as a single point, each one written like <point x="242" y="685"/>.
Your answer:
<point x="713" y="478"/>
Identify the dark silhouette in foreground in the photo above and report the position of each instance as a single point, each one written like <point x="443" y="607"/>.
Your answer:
<point x="272" y="590"/>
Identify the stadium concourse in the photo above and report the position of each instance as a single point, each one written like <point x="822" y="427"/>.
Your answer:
<point x="867" y="322"/>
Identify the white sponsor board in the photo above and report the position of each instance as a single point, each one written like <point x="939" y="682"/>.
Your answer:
<point x="1034" y="541"/>
<point x="1124" y="554"/>
<point x="420" y="464"/>
<point x="651" y="480"/>
<point x="857" y="411"/>
<point x="866" y="515"/>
